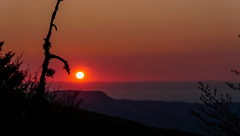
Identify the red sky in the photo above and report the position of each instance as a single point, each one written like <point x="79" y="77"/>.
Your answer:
<point x="128" y="40"/>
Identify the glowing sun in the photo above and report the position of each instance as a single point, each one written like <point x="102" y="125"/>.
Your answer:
<point x="80" y="75"/>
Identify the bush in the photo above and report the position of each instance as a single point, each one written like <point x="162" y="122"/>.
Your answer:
<point x="14" y="82"/>
<point x="215" y="114"/>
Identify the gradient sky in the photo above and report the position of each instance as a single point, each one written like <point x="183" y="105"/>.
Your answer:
<point x="128" y="40"/>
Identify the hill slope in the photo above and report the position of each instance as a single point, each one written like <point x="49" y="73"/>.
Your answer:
<point x="169" y="115"/>
<point x="29" y="118"/>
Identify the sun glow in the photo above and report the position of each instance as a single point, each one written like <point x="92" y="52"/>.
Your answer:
<point x="80" y="75"/>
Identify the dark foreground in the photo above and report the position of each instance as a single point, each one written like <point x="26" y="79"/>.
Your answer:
<point x="26" y="117"/>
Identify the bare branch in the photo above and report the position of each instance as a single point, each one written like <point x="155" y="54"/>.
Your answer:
<point x="215" y="115"/>
<point x="66" y="66"/>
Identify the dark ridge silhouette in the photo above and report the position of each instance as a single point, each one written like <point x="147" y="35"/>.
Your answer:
<point x="160" y="114"/>
<point x="60" y="120"/>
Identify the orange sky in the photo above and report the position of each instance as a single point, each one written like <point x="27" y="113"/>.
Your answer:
<point x="129" y="40"/>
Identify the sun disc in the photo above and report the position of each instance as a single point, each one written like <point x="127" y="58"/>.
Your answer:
<point x="80" y="75"/>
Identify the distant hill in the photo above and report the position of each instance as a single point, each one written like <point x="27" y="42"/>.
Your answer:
<point x="168" y="115"/>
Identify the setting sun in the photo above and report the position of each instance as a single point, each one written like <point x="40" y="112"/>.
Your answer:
<point x="80" y="75"/>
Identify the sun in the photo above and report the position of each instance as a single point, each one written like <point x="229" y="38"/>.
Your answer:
<point x="80" y="75"/>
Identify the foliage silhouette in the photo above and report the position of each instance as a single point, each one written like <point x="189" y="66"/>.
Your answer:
<point x="67" y="99"/>
<point x="216" y="115"/>
<point x="13" y="80"/>
<point x="18" y="106"/>
<point x="49" y="72"/>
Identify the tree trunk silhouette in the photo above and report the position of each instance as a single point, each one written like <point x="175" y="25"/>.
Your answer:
<point x="48" y="56"/>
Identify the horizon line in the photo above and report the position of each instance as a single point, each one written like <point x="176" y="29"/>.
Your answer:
<point x="145" y="81"/>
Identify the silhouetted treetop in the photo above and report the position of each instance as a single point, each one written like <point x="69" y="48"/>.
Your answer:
<point x="13" y="80"/>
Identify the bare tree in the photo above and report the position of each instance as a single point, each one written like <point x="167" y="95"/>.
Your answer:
<point x="46" y="71"/>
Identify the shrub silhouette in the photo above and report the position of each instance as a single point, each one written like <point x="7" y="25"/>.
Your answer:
<point x="14" y="81"/>
<point x="216" y="115"/>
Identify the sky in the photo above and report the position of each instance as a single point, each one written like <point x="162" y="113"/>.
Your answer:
<point x="128" y="40"/>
